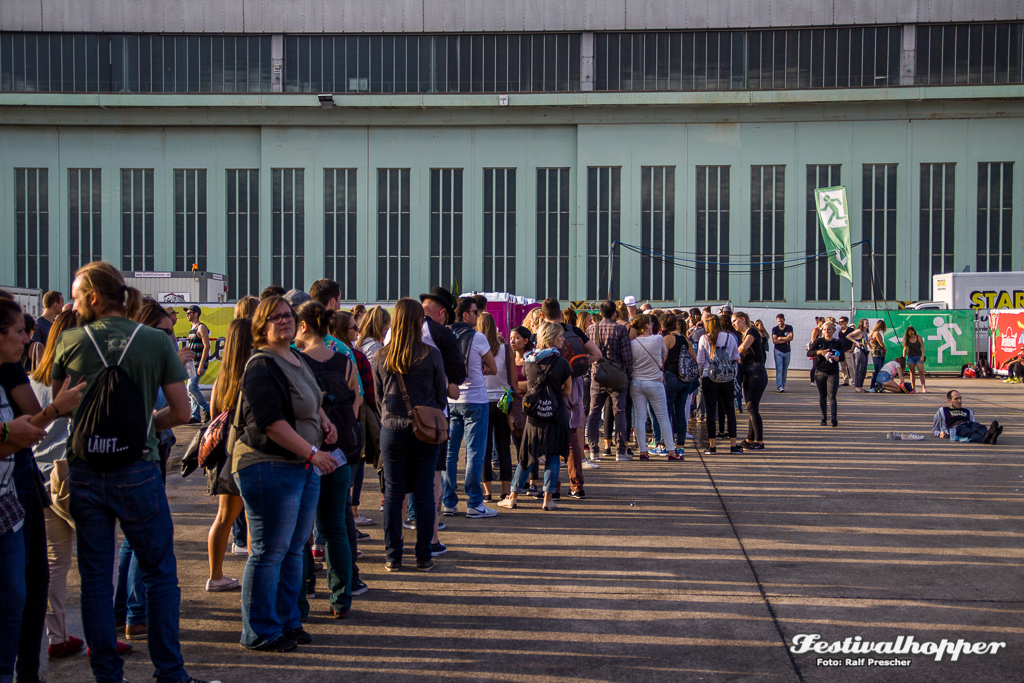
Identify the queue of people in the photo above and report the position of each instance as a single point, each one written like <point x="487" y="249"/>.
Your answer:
<point x="307" y="396"/>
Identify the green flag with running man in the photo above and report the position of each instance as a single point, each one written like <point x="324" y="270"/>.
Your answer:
<point x="834" y="221"/>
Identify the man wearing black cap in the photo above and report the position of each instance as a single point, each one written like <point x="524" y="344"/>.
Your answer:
<point x="199" y="342"/>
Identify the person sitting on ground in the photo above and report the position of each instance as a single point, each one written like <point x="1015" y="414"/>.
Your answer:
<point x="1014" y="368"/>
<point x="888" y="374"/>
<point x="957" y="423"/>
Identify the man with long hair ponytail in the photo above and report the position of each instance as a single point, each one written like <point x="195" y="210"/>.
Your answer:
<point x="133" y="494"/>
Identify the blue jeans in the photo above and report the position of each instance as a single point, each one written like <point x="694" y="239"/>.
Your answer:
<point x="134" y="496"/>
<point x="408" y="466"/>
<point x="130" y="597"/>
<point x="521" y="479"/>
<point x="471" y="419"/>
<point x="195" y="396"/>
<point x="240" y="532"/>
<point x="12" y="598"/>
<point x="280" y="500"/>
<point x="781" y="368"/>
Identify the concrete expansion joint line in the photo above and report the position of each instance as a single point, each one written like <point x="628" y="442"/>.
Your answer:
<point x="753" y="571"/>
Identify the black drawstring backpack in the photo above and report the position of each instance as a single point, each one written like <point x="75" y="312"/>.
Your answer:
<point x="110" y="428"/>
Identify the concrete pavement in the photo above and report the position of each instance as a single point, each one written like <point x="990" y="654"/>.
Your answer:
<point x="701" y="570"/>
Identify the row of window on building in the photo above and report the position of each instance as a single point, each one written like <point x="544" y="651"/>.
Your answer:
<point x="708" y="249"/>
<point x="843" y="57"/>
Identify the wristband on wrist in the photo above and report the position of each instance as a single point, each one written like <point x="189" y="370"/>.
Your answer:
<point x="7" y="431"/>
<point x="313" y="450"/>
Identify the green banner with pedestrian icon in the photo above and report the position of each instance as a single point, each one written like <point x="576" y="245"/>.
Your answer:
<point x="834" y="222"/>
<point x="948" y="335"/>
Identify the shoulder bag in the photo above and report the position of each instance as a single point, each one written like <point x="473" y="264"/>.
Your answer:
<point x="611" y="374"/>
<point x="429" y="425"/>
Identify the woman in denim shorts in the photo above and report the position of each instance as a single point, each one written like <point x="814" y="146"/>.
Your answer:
<point x="913" y="351"/>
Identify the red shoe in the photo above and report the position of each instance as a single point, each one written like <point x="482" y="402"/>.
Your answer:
<point x="122" y="649"/>
<point x="675" y="456"/>
<point x="69" y="647"/>
<point x="340" y="615"/>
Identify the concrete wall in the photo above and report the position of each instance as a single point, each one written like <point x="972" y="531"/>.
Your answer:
<point x="413" y="16"/>
<point x="843" y="138"/>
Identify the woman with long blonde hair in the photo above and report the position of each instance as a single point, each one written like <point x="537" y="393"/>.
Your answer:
<point x="372" y="331"/>
<point x="546" y="435"/>
<point x="408" y="463"/>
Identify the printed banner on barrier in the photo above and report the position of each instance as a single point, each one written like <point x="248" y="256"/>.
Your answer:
<point x="948" y="335"/>
<point x="216" y="317"/>
<point x="1007" y="335"/>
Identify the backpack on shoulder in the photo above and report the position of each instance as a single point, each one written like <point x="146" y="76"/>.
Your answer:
<point x="540" y="402"/>
<point x="574" y="351"/>
<point x="111" y="428"/>
<point x="721" y="369"/>
<point x="338" y="401"/>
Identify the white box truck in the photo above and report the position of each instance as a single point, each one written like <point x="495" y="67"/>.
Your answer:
<point x="980" y="292"/>
<point x="179" y="287"/>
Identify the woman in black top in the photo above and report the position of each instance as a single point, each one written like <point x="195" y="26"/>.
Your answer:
<point x="678" y="390"/>
<point x="339" y="386"/>
<point x="754" y="378"/>
<point x="826" y="353"/>
<point x="408" y="462"/>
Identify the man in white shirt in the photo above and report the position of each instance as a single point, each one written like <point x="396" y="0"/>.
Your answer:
<point x="469" y="414"/>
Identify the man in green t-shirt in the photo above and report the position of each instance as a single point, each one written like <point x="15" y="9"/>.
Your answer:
<point x="134" y="494"/>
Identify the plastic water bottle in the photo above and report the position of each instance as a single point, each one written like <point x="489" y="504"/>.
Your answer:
<point x="190" y="369"/>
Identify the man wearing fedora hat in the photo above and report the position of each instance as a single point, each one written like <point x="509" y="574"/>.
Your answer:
<point x="438" y="312"/>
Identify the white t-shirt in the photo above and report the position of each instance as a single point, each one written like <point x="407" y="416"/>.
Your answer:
<point x="474" y="389"/>
<point x="649" y="355"/>
<point x="892" y="367"/>
<point x="496" y="384"/>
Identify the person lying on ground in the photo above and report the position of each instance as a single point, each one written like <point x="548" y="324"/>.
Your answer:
<point x="957" y="423"/>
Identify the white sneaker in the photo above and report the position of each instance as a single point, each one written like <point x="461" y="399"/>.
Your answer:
<point x="221" y="584"/>
<point x="480" y="511"/>
<point x="449" y="512"/>
<point x="589" y="465"/>
<point x="363" y="521"/>
<point x="239" y="549"/>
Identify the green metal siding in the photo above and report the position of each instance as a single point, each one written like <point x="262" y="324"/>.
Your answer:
<point x="656" y="136"/>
